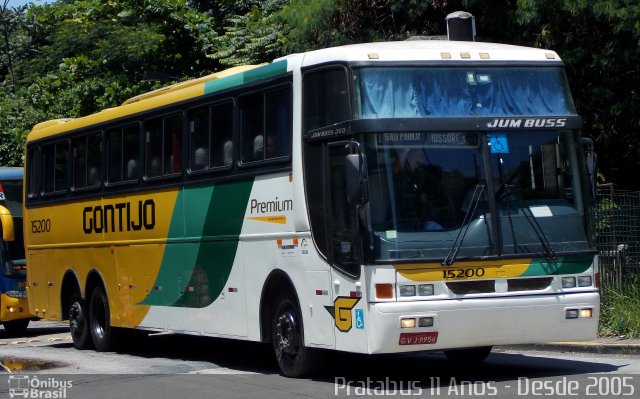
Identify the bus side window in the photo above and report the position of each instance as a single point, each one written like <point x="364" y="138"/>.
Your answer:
<point x="79" y="151"/>
<point x="172" y="127"/>
<point x="278" y="120"/>
<point x="221" y="131"/>
<point x="123" y="146"/>
<point x="163" y="138"/>
<point x="87" y="156"/>
<point x="199" y="128"/>
<point x="153" y="147"/>
<point x="94" y="160"/>
<point x="34" y="163"/>
<point x="266" y="124"/>
<point x="251" y="126"/>
<point x="55" y="158"/>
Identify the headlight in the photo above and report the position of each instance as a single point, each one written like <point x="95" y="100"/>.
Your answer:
<point x="568" y="282"/>
<point x="584" y="281"/>
<point x="425" y="289"/>
<point x="407" y="290"/>
<point x="16" y="294"/>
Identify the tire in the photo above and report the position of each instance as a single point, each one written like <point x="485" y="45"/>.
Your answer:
<point x="287" y="335"/>
<point x="468" y="355"/>
<point x="102" y="334"/>
<point x="16" y="327"/>
<point x="79" y="323"/>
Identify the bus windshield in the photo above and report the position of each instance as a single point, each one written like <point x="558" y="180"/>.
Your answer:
<point x="12" y="252"/>
<point x="419" y="92"/>
<point x="433" y="193"/>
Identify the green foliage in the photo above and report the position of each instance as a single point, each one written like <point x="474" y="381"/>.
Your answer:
<point x="324" y="23"/>
<point x="16" y="118"/>
<point x="598" y="40"/>
<point x="73" y="58"/>
<point x="620" y="310"/>
<point x="251" y="38"/>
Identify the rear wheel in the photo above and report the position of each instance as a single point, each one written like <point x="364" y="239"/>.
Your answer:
<point x="79" y="323"/>
<point x="287" y="336"/>
<point x="102" y="333"/>
<point x="16" y="327"/>
<point x="468" y="355"/>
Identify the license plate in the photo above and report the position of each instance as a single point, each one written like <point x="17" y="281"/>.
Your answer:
<point x="424" y="338"/>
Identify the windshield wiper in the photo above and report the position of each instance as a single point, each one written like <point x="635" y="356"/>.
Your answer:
<point x="466" y="223"/>
<point x="511" y="196"/>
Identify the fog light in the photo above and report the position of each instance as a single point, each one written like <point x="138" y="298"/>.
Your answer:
<point x="407" y="323"/>
<point x="568" y="282"/>
<point x="585" y="313"/>
<point x="384" y="291"/>
<point x="572" y="314"/>
<point x="407" y="290"/>
<point x="11" y="309"/>
<point x="584" y="281"/>
<point x="425" y="322"/>
<point x="425" y="289"/>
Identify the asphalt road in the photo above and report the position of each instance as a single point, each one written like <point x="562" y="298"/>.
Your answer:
<point x="175" y="366"/>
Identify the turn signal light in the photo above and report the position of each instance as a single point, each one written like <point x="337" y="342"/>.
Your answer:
<point x="384" y="291"/>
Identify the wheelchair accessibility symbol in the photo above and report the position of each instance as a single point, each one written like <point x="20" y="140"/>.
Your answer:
<point x="499" y="143"/>
<point x="359" y="319"/>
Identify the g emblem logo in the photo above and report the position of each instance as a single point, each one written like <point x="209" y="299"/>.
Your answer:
<point x="341" y="312"/>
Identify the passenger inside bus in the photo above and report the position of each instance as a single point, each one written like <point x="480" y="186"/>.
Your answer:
<point x="200" y="159"/>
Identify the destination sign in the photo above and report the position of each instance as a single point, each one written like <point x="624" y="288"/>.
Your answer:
<point x="428" y="139"/>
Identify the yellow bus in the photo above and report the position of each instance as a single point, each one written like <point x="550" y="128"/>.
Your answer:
<point x="372" y="198"/>
<point x="14" y="308"/>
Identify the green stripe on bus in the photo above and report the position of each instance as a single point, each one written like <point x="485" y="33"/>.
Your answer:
<point x="252" y="75"/>
<point x="193" y="274"/>
<point x="562" y="265"/>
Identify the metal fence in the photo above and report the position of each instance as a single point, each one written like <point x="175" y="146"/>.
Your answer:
<point x="617" y="231"/>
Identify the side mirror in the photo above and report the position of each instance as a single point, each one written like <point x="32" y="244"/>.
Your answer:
<point x="356" y="175"/>
<point x="6" y="222"/>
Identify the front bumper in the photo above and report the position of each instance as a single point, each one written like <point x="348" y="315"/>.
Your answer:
<point x="482" y="322"/>
<point x="14" y="308"/>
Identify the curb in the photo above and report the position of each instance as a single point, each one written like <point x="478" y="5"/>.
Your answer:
<point x="582" y="347"/>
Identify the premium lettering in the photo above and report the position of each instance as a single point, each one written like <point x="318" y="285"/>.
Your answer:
<point x="119" y="217"/>
<point x="271" y="206"/>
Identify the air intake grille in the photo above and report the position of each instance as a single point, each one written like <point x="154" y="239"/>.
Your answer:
<point x="472" y="287"/>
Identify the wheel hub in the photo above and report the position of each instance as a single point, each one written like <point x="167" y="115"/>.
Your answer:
<point x="286" y="333"/>
<point x="76" y="316"/>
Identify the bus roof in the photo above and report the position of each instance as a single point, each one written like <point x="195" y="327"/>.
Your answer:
<point x="427" y="50"/>
<point x="11" y="173"/>
<point x="408" y="50"/>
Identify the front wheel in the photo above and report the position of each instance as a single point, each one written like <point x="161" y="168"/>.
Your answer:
<point x="468" y="355"/>
<point x="79" y="324"/>
<point x="287" y="336"/>
<point x="102" y="333"/>
<point x="16" y="327"/>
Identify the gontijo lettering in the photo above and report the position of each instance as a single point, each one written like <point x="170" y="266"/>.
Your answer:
<point x="122" y="216"/>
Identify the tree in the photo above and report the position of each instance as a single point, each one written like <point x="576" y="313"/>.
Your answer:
<point x="599" y="43"/>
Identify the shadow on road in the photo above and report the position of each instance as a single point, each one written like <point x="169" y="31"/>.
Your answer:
<point x="258" y="358"/>
<point x="35" y="332"/>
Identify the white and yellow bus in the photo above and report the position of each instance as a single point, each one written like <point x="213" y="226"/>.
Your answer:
<point x="372" y="198"/>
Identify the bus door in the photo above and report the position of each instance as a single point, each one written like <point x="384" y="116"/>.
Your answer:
<point x="344" y="218"/>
